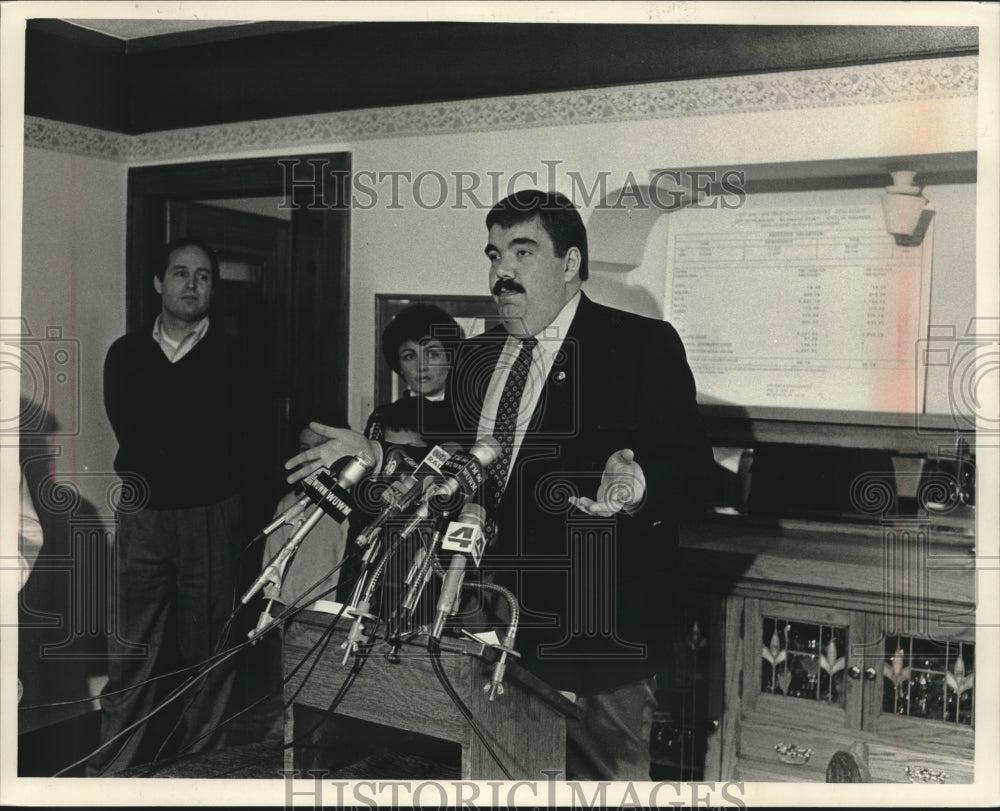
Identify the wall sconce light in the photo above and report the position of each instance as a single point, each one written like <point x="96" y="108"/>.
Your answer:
<point x="907" y="211"/>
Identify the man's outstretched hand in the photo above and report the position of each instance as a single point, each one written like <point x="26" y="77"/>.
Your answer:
<point x="623" y="486"/>
<point x="340" y="442"/>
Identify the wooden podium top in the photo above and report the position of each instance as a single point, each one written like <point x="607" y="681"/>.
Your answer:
<point x="525" y="726"/>
<point x="451" y="645"/>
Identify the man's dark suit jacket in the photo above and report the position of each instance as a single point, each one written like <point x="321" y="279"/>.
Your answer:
<point x="594" y="591"/>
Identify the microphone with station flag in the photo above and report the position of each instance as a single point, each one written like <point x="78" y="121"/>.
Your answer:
<point x="409" y="488"/>
<point x="464" y="474"/>
<point x="328" y="490"/>
<point x="310" y="489"/>
<point x="464" y="537"/>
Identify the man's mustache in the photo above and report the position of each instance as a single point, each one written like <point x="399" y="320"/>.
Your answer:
<point x="507" y="286"/>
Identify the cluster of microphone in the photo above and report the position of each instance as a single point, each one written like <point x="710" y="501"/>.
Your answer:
<point x="445" y="479"/>
<point x="442" y="487"/>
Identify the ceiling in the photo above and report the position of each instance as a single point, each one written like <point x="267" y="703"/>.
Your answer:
<point x="137" y="29"/>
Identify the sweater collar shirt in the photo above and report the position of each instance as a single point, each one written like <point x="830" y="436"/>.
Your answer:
<point x="175" y="350"/>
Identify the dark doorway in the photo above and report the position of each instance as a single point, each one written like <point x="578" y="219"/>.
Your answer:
<point x="285" y="280"/>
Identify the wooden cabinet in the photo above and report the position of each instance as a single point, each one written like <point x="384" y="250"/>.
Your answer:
<point x="848" y="653"/>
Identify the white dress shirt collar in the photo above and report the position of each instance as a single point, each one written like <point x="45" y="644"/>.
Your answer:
<point x="175" y="350"/>
<point x="550" y="341"/>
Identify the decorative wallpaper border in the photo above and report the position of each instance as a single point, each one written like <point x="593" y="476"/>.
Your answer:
<point x="883" y="83"/>
<point x="74" y="139"/>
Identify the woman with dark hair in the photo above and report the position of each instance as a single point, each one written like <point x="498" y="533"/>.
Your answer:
<point x="419" y="344"/>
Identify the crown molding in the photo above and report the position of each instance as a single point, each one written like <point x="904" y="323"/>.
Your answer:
<point x="857" y="85"/>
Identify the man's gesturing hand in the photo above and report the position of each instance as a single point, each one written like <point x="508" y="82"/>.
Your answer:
<point x="623" y="485"/>
<point x="340" y="442"/>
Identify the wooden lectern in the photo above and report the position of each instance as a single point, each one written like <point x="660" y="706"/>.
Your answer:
<point x="526" y="725"/>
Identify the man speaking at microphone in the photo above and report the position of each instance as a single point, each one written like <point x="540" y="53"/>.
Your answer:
<point x="583" y="399"/>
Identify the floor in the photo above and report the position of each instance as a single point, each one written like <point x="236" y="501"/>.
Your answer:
<point x="254" y="742"/>
<point x="254" y="746"/>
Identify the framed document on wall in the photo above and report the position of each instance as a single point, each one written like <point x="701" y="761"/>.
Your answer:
<point x="807" y="321"/>
<point x="474" y="314"/>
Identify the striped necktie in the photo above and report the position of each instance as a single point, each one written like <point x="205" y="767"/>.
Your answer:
<point x="503" y="431"/>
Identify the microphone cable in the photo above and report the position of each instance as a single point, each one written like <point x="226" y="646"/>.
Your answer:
<point x="434" y="648"/>
<point x="285" y="679"/>
<point x="71" y="701"/>
<point x="324" y="639"/>
<point x="173" y="696"/>
<point x="222" y="639"/>
<point x="224" y="634"/>
<point x="284" y="615"/>
<point x="290" y="611"/>
<point x="360" y="658"/>
<point x="221" y="642"/>
<point x="205" y="666"/>
<point x="179" y="671"/>
<point x="218" y="658"/>
<point x="345" y="686"/>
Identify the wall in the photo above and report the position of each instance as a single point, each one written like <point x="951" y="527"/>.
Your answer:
<point x="73" y="286"/>
<point x="73" y="306"/>
<point x="410" y="245"/>
<point x="423" y="251"/>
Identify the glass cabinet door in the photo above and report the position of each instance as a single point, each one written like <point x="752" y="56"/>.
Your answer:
<point x="929" y="680"/>
<point x="798" y="663"/>
<point x="803" y="659"/>
<point x="800" y="703"/>
<point x="921" y="703"/>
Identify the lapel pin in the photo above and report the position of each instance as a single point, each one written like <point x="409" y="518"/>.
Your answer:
<point x="560" y="377"/>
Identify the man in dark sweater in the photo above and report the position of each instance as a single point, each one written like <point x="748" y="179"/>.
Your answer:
<point x="178" y="396"/>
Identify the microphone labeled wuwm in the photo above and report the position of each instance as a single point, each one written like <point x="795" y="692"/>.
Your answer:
<point x="328" y="489"/>
<point x="330" y="493"/>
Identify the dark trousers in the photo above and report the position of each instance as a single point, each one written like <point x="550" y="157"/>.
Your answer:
<point x="611" y="741"/>
<point x="176" y="572"/>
